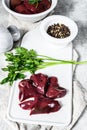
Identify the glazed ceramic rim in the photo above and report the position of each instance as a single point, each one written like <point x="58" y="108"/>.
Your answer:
<point x="50" y="20"/>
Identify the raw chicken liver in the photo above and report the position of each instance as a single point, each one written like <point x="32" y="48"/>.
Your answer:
<point x="38" y="94"/>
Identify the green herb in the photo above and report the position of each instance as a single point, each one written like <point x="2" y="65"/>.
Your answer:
<point x="34" y="1"/>
<point x="23" y="60"/>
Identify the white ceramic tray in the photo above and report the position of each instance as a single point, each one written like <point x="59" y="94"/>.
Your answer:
<point x="34" y="40"/>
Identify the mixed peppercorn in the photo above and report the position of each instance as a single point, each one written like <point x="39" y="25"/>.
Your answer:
<point x="58" y="30"/>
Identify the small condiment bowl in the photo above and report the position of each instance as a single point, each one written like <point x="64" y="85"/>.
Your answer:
<point x="29" y="17"/>
<point x="55" y="19"/>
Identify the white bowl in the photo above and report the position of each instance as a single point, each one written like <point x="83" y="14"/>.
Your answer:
<point x="30" y="17"/>
<point x="54" y="19"/>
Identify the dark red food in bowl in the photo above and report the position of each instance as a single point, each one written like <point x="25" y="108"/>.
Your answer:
<point x="24" y="7"/>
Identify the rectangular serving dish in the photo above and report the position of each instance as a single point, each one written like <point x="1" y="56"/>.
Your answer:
<point x="64" y="75"/>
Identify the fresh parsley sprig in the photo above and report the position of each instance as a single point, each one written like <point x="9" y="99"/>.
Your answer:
<point x="34" y="1"/>
<point x="24" y="60"/>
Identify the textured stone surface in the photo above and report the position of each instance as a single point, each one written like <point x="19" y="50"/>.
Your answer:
<point x="3" y="15"/>
<point x="77" y="10"/>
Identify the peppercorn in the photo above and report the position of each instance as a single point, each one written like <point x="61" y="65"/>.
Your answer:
<point x="58" y="30"/>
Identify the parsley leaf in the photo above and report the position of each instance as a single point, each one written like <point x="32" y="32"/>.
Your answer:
<point x="34" y="1"/>
<point x="23" y="60"/>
